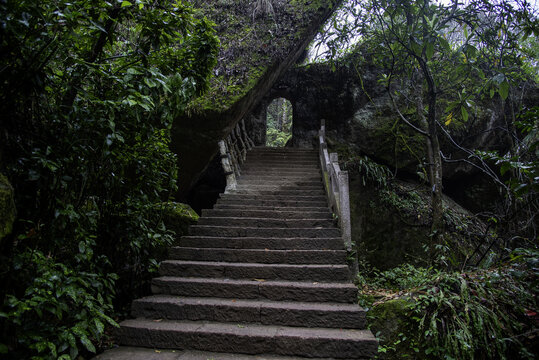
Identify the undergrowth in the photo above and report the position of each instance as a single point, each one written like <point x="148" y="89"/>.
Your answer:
<point x="477" y="314"/>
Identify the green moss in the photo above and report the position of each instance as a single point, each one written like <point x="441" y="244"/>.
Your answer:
<point x="178" y="217"/>
<point x="7" y="207"/>
<point x="389" y="321"/>
<point x="250" y="45"/>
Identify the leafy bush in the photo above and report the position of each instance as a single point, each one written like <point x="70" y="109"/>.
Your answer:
<point x="482" y="314"/>
<point x="89" y="91"/>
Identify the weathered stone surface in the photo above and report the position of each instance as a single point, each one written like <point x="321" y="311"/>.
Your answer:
<point x="247" y="69"/>
<point x="391" y="225"/>
<point x="136" y="353"/>
<point x="263" y="256"/>
<point x="268" y="214"/>
<point x="266" y="223"/>
<point x="249" y="338"/>
<point x="8" y="211"/>
<point x="227" y="231"/>
<point x="256" y="289"/>
<point x="335" y="243"/>
<point x="390" y="319"/>
<point x="318" y="272"/>
<point x="255" y="285"/>
<point x="334" y="315"/>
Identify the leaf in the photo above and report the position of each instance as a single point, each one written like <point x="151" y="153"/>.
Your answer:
<point x="503" y="89"/>
<point x="444" y="43"/>
<point x="448" y="119"/>
<point x="87" y="343"/>
<point x="429" y="51"/>
<point x="3" y="349"/>
<point x="126" y="3"/>
<point x="464" y="113"/>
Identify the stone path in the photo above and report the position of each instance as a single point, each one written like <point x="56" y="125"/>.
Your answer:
<point x="261" y="276"/>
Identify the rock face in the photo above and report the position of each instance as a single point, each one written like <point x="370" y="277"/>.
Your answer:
<point x="7" y="207"/>
<point x="390" y="225"/>
<point x="359" y="113"/>
<point x="256" y="49"/>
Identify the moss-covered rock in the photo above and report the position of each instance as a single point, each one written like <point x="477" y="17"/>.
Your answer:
<point x="8" y="211"/>
<point x="256" y="49"/>
<point x="389" y="320"/>
<point x="178" y="217"/>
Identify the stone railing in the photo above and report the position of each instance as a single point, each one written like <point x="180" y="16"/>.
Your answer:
<point x="233" y="151"/>
<point x="337" y="190"/>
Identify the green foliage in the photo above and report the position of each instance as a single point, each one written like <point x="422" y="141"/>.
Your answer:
<point x="89" y="90"/>
<point x="278" y="123"/>
<point x="483" y="314"/>
<point x="62" y="310"/>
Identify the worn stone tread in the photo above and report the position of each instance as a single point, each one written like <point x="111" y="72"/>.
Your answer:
<point x="334" y="315"/>
<point x="267" y="222"/>
<point x="296" y="243"/>
<point x="233" y="196"/>
<point x="239" y="231"/>
<point x="272" y="207"/>
<point x="140" y="353"/>
<point x="266" y="214"/>
<point x="279" y="290"/>
<point x="265" y="255"/>
<point x="233" y="270"/>
<point x="248" y="338"/>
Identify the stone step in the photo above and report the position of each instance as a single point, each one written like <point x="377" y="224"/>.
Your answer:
<point x="289" y="193"/>
<point x="334" y="243"/>
<point x="289" y="173"/>
<point x="271" y="208"/>
<point x="138" y="353"/>
<point x="279" y="168"/>
<point x="266" y="214"/>
<point x="265" y="312"/>
<point x="263" y="256"/>
<point x="279" y="178"/>
<point x="231" y="196"/>
<point x="228" y="231"/>
<point x="277" y="290"/>
<point x="279" y="187"/>
<point x="248" y="338"/>
<point x="232" y="270"/>
<point x="267" y="222"/>
<point x="285" y="150"/>
<point x="287" y="163"/>
<point x="320" y="202"/>
<point x="298" y="183"/>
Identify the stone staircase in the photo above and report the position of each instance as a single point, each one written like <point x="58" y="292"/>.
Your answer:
<point x="262" y="273"/>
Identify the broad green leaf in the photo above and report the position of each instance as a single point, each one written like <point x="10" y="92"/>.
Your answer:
<point x="444" y="43"/>
<point x="503" y="89"/>
<point x="126" y="3"/>
<point x="87" y="343"/>
<point x="464" y="113"/>
<point x="429" y="51"/>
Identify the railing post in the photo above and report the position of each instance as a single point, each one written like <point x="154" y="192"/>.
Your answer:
<point x="338" y="192"/>
<point x="227" y="167"/>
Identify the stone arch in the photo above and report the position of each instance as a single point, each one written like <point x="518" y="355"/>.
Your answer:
<point x="279" y="120"/>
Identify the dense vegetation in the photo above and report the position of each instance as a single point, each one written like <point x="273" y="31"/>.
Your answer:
<point x="278" y="122"/>
<point x="440" y="64"/>
<point x="88" y="91"/>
